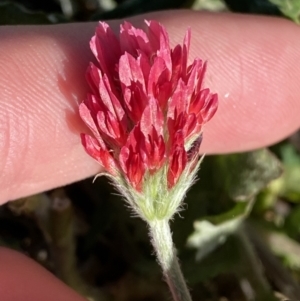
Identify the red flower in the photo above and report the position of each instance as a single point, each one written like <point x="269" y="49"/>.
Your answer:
<point x="147" y="106"/>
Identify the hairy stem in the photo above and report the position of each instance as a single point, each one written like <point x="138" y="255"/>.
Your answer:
<point x="162" y="242"/>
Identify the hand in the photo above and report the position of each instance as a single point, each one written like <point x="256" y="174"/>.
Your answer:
<point x="252" y="65"/>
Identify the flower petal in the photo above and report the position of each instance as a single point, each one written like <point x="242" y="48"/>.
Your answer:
<point x="133" y="40"/>
<point x="106" y="56"/>
<point x="210" y="107"/>
<point x="185" y="52"/>
<point x="130" y="159"/>
<point x="100" y="154"/>
<point x="130" y="71"/>
<point x="85" y="115"/>
<point x="177" y="101"/>
<point x="178" y="161"/>
<point x="152" y="117"/>
<point x="135" y="100"/>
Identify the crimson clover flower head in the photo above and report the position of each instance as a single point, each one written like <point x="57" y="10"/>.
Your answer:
<point x="146" y="112"/>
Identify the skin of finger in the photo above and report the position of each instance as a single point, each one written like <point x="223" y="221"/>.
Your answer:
<point x="251" y="64"/>
<point x="21" y="279"/>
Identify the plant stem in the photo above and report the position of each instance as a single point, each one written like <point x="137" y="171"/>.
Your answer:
<point x="274" y="269"/>
<point x="253" y="270"/>
<point x="162" y="242"/>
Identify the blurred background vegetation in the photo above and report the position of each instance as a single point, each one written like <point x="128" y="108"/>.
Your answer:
<point x="238" y="237"/>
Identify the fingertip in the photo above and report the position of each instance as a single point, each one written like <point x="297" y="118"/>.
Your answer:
<point x="24" y="280"/>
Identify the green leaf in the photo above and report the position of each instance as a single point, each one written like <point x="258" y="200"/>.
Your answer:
<point x="290" y="187"/>
<point x="216" y="263"/>
<point x="283" y="246"/>
<point x="246" y="174"/>
<point x="290" y="8"/>
<point x="135" y="7"/>
<point x="262" y="7"/>
<point x="292" y="223"/>
<point x="213" y="231"/>
<point x="209" y="5"/>
<point x="222" y="180"/>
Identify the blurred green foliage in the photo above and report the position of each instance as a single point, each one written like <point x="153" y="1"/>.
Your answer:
<point x="290" y="8"/>
<point x="103" y="252"/>
<point x="11" y="13"/>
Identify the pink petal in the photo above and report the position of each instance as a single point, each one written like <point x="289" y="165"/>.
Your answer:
<point x="164" y="93"/>
<point x="135" y="101"/>
<point x="190" y="127"/>
<point x="210" y="107"/>
<point x="153" y="150"/>
<point x="106" y="48"/>
<point x="154" y="30"/>
<point x="135" y="170"/>
<point x="111" y="101"/>
<point x="164" y="51"/>
<point x="178" y="139"/>
<point x="93" y="104"/>
<point x="152" y="116"/>
<point x="144" y="63"/>
<point x="89" y="121"/>
<point x="177" y="101"/>
<point x="193" y="84"/>
<point x="130" y="71"/>
<point x="158" y="37"/>
<point x="99" y="154"/>
<point x="93" y="76"/>
<point x="133" y="40"/>
<point x="111" y="127"/>
<point x="198" y="102"/>
<point x="176" y="125"/>
<point x="177" y="164"/>
<point x="201" y="75"/>
<point x="131" y="160"/>
<point x="156" y="71"/>
<point x="176" y="56"/>
<point x="135" y="138"/>
<point x="185" y="52"/>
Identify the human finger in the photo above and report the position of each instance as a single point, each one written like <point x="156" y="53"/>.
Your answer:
<point x="24" y="280"/>
<point x="251" y="64"/>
